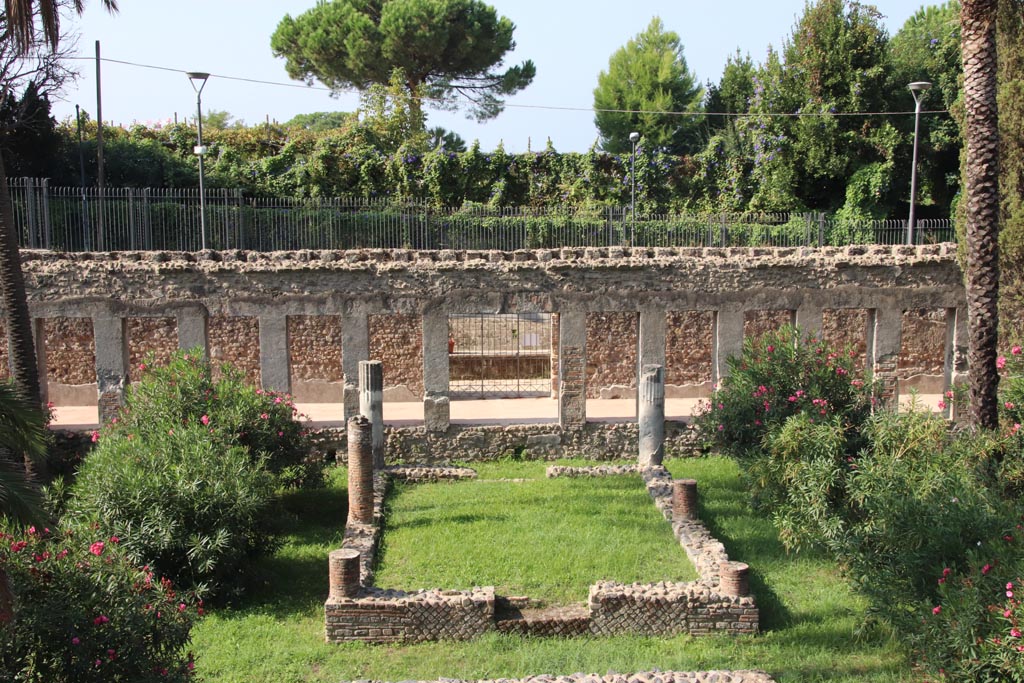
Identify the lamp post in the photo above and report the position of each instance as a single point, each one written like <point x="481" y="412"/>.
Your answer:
<point x="634" y="137"/>
<point x="918" y="89"/>
<point x="200" y="77"/>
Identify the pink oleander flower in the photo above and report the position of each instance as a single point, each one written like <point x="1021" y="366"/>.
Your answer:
<point x="97" y="548"/>
<point x="205" y="419"/>
<point x="937" y="609"/>
<point x="1001" y="362"/>
<point x="1016" y="350"/>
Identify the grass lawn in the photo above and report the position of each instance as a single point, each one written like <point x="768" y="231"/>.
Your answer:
<point x="809" y="616"/>
<point x="513" y="529"/>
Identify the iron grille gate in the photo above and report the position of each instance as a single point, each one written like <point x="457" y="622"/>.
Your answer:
<point x="499" y="355"/>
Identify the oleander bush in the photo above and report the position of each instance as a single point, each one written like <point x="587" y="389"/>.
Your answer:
<point x="84" y="613"/>
<point x="184" y="392"/>
<point x="197" y="511"/>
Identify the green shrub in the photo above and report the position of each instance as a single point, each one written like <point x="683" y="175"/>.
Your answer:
<point x="234" y="413"/>
<point x="974" y="630"/>
<point x="194" y="509"/>
<point x="83" y="613"/>
<point x="778" y="375"/>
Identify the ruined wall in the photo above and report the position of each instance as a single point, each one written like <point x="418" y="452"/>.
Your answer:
<point x="70" y="361"/>
<point x="759" y="322"/>
<point x="314" y="358"/>
<point x="398" y="341"/>
<point x="235" y="340"/>
<point x="843" y="328"/>
<point x="152" y="339"/>
<point x="924" y="334"/>
<point x="611" y="354"/>
<point x="688" y="350"/>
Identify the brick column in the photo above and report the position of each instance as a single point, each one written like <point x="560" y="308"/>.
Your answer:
<point x="371" y="405"/>
<point x="355" y="347"/>
<point x="651" y="415"/>
<point x="111" y="337"/>
<point x="436" y="401"/>
<point x="728" y="341"/>
<point x="275" y="364"/>
<point x="684" y="499"/>
<point x="360" y="471"/>
<point x="343" y="568"/>
<point x="192" y="330"/>
<point x="572" y="353"/>
<point x="734" y="579"/>
<point x="885" y="341"/>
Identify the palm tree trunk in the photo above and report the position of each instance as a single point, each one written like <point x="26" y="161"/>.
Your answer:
<point x="978" y="49"/>
<point x="22" y="354"/>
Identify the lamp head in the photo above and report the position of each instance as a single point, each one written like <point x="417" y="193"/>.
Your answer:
<point x="634" y="136"/>
<point x="919" y="86"/>
<point x="197" y="79"/>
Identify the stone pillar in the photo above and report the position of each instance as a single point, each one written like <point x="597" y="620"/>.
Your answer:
<point x="360" y="470"/>
<point x="192" y="330"/>
<point x="355" y="347"/>
<point x="111" y="337"/>
<point x="650" y="344"/>
<point x="651" y="415"/>
<point x="954" y="370"/>
<point x="684" y="499"/>
<point x="436" y="401"/>
<point x="371" y="404"/>
<point x="39" y="343"/>
<point x="572" y="371"/>
<point x="275" y="359"/>
<point x="809" y="320"/>
<point x="727" y="343"/>
<point x="886" y="337"/>
<point x="344" y="574"/>
<point x="734" y="579"/>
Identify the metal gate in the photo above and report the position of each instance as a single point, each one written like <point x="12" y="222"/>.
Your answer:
<point x="499" y="355"/>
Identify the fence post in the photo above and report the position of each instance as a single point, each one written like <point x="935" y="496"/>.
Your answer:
<point x="725" y="231"/>
<point x="240" y="222"/>
<point x="821" y="229"/>
<point x="47" y="230"/>
<point x="132" y="244"/>
<point x="30" y="212"/>
<point x="147" y="222"/>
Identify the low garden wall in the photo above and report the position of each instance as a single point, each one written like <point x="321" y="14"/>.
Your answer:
<point x="715" y="602"/>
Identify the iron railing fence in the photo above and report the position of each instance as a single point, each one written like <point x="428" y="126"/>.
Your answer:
<point x="168" y="219"/>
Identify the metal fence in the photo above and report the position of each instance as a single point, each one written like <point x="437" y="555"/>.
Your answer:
<point x="119" y="219"/>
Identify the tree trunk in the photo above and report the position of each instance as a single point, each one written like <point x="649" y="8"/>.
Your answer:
<point x="22" y="354"/>
<point x="981" y="192"/>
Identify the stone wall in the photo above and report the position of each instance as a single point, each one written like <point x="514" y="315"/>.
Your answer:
<point x="843" y="328"/>
<point x="611" y="354"/>
<point x="759" y="322"/>
<point x="150" y="339"/>
<point x="475" y="367"/>
<point x="314" y="358"/>
<point x="596" y="441"/>
<point x="235" y="340"/>
<point x="688" y="351"/>
<point x="399" y="339"/>
<point x="922" y="348"/>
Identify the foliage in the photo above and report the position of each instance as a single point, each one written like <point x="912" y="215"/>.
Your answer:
<point x="194" y="510"/>
<point x="778" y="375"/>
<point x="184" y="393"/>
<point x="85" y="614"/>
<point x="449" y="48"/>
<point x="23" y="438"/>
<point x="974" y="631"/>
<point x="648" y="75"/>
<point x="319" y="121"/>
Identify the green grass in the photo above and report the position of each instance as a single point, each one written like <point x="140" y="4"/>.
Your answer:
<point x="513" y="529"/>
<point x="809" y="615"/>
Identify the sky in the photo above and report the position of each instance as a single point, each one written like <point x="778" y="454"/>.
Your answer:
<point x="570" y="41"/>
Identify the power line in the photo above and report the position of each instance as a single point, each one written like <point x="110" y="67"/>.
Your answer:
<point x="547" y="107"/>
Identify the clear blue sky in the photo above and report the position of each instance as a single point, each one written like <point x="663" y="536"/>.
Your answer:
<point x="569" y="41"/>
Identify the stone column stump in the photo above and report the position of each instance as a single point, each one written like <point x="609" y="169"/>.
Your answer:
<point x="734" y="580"/>
<point x="344" y="574"/>
<point x="651" y="415"/>
<point x="360" y="470"/>
<point x="684" y="499"/>
<point x="371" y="404"/>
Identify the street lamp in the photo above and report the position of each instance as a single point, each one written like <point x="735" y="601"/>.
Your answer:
<point x="634" y="137"/>
<point x="199" y="77"/>
<point x="918" y="89"/>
